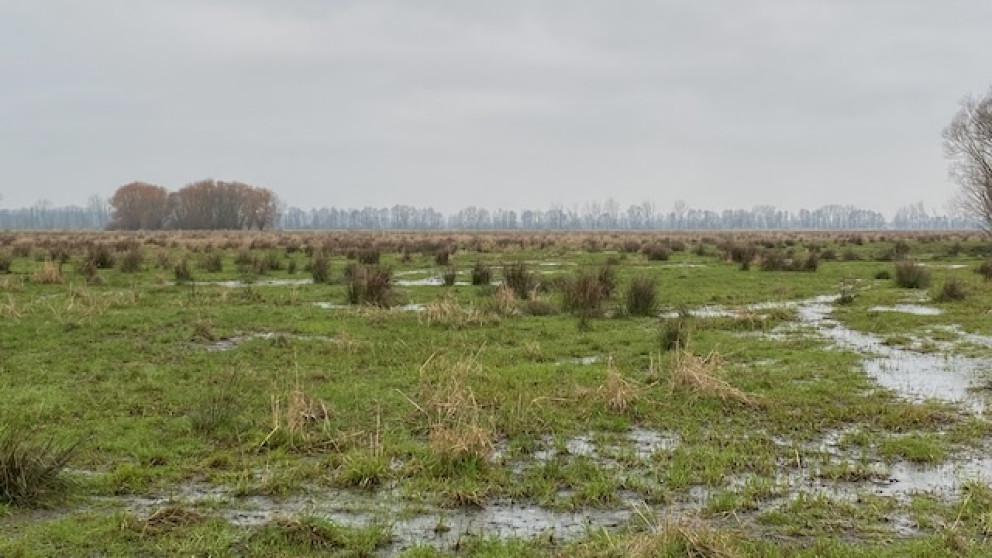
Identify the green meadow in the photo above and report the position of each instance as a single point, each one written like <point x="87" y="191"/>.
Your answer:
<point x="495" y="394"/>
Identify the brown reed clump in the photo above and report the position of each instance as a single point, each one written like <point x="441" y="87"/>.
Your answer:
<point x="618" y="392"/>
<point x="697" y="374"/>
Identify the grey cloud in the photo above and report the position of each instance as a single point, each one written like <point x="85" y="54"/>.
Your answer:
<point x="795" y="103"/>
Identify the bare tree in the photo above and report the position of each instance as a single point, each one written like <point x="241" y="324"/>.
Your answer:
<point x="968" y="144"/>
<point x="138" y="206"/>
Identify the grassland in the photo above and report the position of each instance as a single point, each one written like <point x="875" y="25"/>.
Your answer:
<point x="362" y="394"/>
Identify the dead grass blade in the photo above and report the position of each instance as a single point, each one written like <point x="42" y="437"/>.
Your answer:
<point x="697" y="374"/>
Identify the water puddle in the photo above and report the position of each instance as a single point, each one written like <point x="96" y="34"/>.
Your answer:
<point x="428" y="282"/>
<point x="412" y="307"/>
<point x="644" y="442"/>
<point x="259" y="283"/>
<point x="913" y="375"/>
<point x="411" y="525"/>
<point x="941" y="480"/>
<point x="583" y="361"/>
<point x="915" y="309"/>
<point x="230" y="343"/>
<point x="648" y="442"/>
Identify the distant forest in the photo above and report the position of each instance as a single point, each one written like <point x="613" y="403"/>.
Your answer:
<point x="98" y="214"/>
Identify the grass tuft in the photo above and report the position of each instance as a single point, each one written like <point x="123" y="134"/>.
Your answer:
<point x="482" y="274"/>
<point x="642" y="296"/>
<point x="698" y="374"/>
<point x="952" y="290"/>
<point x="911" y="275"/>
<point x="520" y="279"/>
<point x="370" y="284"/>
<point x="31" y="467"/>
<point x="619" y="392"/>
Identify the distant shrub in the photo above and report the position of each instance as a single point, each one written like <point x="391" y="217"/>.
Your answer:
<point x="630" y="246"/>
<point x="273" y="260"/>
<point x="244" y="257"/>
<point x="320" y="267"/>
<point x="441" y="257"/>
<point x="213" y="262"/>
<point x="675" y="332"/>
<point x="131" y="261"/>
<point x="911" y="275"/>
<point x="900" y="250"/>
<point x="583" y="295"/>
<point x="985" y="269"/>
<point x="642" y="294"/>
<point x="521" y="280"/>
<point x="742" y="254"/>
<point x="182" y="271"/>
<point x="368" y="257"/>
<point x="849" y="255"/>
<point x="883" y="274"/>
<point x="607" y="277"/>
<point x="22" y="248"/>
<point x="774" y="260"/>
<point x="101" y="256"/>
<point x="370" y="284"/>
<point x="6" y="261"/>
<point x="89" y="272"/>
<point x="482" y="274"/>
<point x="538" y="307"/>
<point x="952" y="290"/>
<point x="449" y="276"/>
<point x="48" y="274"/>
<point x="656" y="252"/>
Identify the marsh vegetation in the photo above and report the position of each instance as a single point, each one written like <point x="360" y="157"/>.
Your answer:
<point x="495" y="394"/>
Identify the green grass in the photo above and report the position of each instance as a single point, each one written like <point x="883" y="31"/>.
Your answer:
<point x="399" y="407"/>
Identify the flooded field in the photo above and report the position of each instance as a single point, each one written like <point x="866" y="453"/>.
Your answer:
<point x="560" y="398"/>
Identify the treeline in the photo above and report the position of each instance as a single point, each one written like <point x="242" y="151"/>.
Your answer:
<point x="202" y="205"/>
<point x="220" y="205"/>
<point x="604" y="217"/>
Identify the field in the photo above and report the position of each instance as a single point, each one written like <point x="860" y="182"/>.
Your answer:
<point x="434" y="394"/>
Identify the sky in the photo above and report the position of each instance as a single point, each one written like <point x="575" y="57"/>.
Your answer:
<point x="510" y="104"/>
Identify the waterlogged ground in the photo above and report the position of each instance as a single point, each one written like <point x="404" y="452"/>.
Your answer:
<point x="257" y="410"/>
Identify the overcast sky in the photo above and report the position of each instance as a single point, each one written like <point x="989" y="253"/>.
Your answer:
<point x="510" y="103"/>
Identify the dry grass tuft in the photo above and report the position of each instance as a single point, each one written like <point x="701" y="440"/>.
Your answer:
<point x="461" y="441"/>
<point x="299" y="418"/>
<point x="619" y="392"/>
<point x="447" y="312"/>
<point x="458" y="429"/>
<point x="49" y="274"/>
<point x="505" y="301"/>
<point x="693" y="540"/>
<point x="697" y="374"/>
<point x="166" y="519"/>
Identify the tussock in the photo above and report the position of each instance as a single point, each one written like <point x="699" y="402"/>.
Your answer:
<point x="693" y="540"/>
<point x="166" y="519"/>
<point x="618" y="392"/>
<point x="299" y="417"/>
<point x="697" y="374"/>
<point x="31" y="467"/>
<point x="458" y="429"/>
<point x="447" y="312"/>
<point x="505" y="301"/>
<point x="48" y="274"/>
